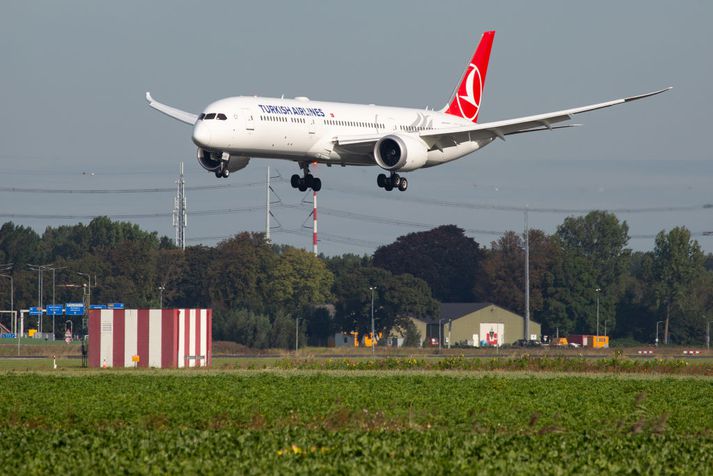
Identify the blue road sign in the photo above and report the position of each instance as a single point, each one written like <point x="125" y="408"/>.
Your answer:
<point x="115" y="305"/>
<point x="36" y="311"/>
<point x="97" y="306"/>
<point x="55" y="310"/>
<point x="74" y="308"/>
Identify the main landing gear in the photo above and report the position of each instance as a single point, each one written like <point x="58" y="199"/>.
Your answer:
<point x="308" y="181"/>
<point x="392" y="182"/>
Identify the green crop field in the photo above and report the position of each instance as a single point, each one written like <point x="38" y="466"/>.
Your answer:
<point x="352" y="421"/>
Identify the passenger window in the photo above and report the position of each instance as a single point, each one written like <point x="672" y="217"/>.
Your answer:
<point x="222" y="117"/>
<point x="210" y="116"/>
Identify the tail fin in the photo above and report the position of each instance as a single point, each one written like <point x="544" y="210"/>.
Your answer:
<point x="466" y="99"/>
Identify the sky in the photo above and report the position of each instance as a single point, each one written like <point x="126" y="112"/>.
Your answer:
<point x="74" y="75"/>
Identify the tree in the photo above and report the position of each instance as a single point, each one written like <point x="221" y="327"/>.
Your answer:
<point x="592" y="256"/>
<point x="504" y="271"/>
<point x="20" y="245"/>
<point x="299" y="279"/>
<point x="412" y="337"/>
<point x="242" y="326"/>
<point x="395" y="298"/>
<point x="638" y="301"/>
<point x="678" y="262"/>
<point x="239" y="277"/>
<point x="444" y="257"/>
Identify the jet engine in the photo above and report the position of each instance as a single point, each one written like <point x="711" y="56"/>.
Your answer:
<point x="213" y="161"/>
<point x="400" y="153"/>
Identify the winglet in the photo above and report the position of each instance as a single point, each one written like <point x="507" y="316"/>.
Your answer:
<point x="646" y="95"/>
<point x="182" y="116"/>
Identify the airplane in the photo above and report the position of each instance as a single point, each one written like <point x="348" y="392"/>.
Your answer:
<point x="231" y="131"/>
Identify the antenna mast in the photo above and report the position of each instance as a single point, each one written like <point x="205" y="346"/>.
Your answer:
<point x="180" y="214"/>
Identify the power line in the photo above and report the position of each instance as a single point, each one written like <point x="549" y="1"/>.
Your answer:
<point x="136" y="216"/>
<point x="389" y="221"/>
<point x="329" y="237"/>
<point x="123" y="190"/>
<point x="517" y="208"/>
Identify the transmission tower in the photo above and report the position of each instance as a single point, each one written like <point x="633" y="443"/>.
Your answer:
<point x="180" y="214"/>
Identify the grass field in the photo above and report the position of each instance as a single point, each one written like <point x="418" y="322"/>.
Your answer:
<point x="352" y="421"/>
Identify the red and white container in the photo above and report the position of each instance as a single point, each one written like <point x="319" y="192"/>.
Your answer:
<point x="161" y="338"/>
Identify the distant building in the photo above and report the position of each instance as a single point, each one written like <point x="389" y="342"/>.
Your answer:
<point x="475" y="324"/>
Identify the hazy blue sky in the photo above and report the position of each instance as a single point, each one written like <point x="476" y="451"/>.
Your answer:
<point x="74" y="74"/>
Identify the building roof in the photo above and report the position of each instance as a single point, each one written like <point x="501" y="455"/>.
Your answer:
<point x="455" y="310"/>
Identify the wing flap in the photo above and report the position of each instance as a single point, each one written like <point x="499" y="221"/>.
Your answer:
<point x="182" y="116"/>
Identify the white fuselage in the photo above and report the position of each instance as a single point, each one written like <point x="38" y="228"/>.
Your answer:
<point x="313" y="131"/>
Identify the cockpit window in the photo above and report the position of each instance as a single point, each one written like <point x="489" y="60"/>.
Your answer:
<point x="200" y="118"/>
<point x="210" y="116"/>
<point x="222" y="117"/>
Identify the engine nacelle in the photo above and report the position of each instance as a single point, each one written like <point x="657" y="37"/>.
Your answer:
<point x="211" y="161"/>
<point x="400" y="153"/>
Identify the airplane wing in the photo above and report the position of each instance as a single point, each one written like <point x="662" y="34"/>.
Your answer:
<point x="539" y="122"/>
<point x="438" y="138"/>
<point x="182" y="116"/>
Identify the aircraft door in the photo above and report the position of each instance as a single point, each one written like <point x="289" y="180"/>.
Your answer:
<point x="247" y="118"/>
<point x="389" y="123"/>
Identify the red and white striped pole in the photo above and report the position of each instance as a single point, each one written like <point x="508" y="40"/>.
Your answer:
<point x="314" y="223"/>
<point x="314" y="219"/>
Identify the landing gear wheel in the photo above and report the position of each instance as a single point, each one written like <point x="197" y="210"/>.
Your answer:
<point x="388" y="186"/>
<point x="316" y="184"/>
<point x="225" y="172"/>
<point x="395" y="180"/>
<point x="309" y="180"/>
<point x="302" y="185"/>
<point x="218" y="174"/>
<point x="403" y="184"/>
<point x="381" y="180"/>
<point x="295" y="181"/>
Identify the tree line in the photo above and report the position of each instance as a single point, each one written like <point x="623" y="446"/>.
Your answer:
<point x="263" y="294"/>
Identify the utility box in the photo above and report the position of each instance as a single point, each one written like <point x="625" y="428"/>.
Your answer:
<point x="600" y="342"/>
<point x="160" y="338"/>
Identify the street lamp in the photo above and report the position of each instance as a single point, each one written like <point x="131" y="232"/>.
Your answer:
<point x="450" y="324"/>
<point x="160" y="296"/>
<point x="40" y="288"/>
<point x="708" y="335"/>
<point x="605" y="327"/>
<point x="12" y="298"/>
<point x="373" y="334"/>
<point x="53" y="296"/>
<point x="89" y="288"/>
<point x="657" y="332"/>
<point x="598" y="290"/>
<point x="439" y="334"/>
<point x="297" y="334"/>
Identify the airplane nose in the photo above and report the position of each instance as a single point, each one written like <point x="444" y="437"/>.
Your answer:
<point x="201" y="135"/>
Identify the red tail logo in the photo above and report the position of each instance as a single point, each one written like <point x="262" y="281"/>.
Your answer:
<point x="466" y="100"/>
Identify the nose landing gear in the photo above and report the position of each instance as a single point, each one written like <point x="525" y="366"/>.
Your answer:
<point x="392" y="182"/>
<point x="222" y="170"/>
